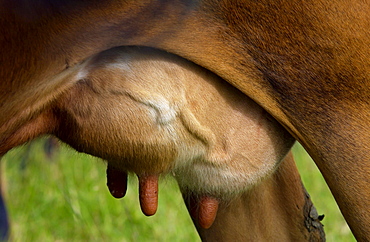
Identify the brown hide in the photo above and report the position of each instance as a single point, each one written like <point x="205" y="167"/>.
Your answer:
<point x="306" y="63"/>
<point x="150" y="112"/>
<point x="124" y="102"/>
<point x="277" y="209"/>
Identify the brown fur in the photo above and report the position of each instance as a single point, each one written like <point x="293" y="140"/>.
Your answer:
<point x="273" y="210"/>
<point x="149" y="112"/>
<point x="306" y="63"/>
<point x="126" y="100"/>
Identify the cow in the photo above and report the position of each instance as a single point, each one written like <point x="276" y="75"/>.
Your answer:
<point x="306" y="63"/>
<point x="267" y="212"/>
<point x="162" y="114"/>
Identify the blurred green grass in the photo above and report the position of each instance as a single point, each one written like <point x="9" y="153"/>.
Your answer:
<point x="66" y="199"/>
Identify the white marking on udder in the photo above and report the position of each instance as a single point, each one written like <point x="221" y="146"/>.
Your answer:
<point x="82" y="73"/>
<point x="165" y="113"/>
<point x="121" y="66"/>
<point x="122" y="63"/>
